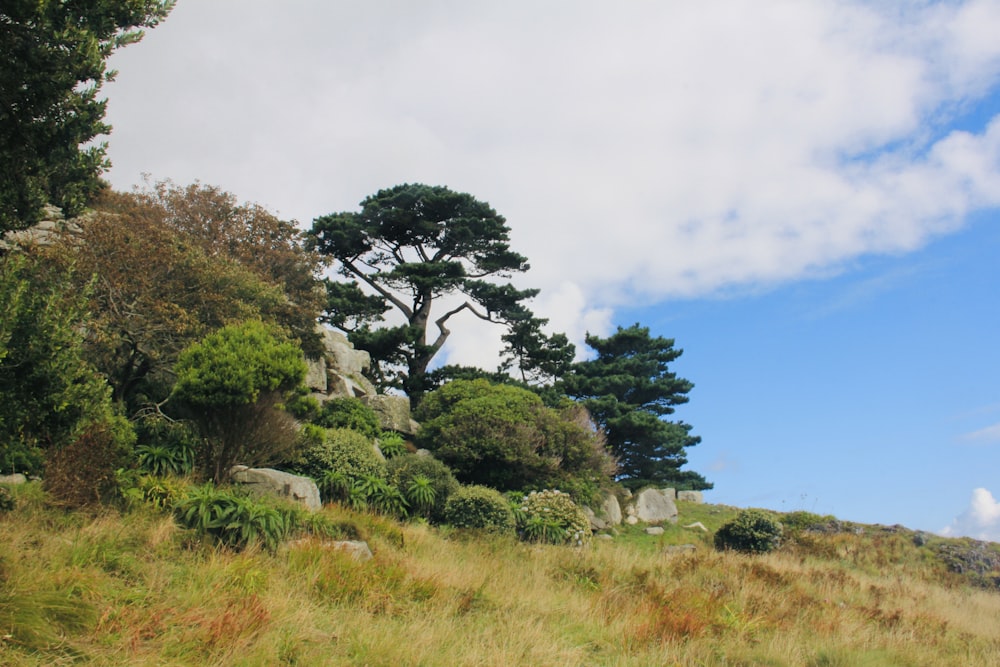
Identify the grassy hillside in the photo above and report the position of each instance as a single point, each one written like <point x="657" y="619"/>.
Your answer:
<point x="131" y="588"/>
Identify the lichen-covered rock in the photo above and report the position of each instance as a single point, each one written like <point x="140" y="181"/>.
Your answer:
<point x="608" y="514"/>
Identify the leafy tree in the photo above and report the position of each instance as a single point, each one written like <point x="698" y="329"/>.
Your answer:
<point x="54" y="56"/>
<point x="233" y="382"/>
<point x="409" y="247"/>
<point x="170" y="265"/>
<point x="504" y="437"/>
<point x="48" y="392"/>
<point x="628" y="389"/>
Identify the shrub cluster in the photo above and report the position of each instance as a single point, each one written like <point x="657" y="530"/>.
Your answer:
<point x="338" y="450"/>
<point x="479" y="508"/>
<point x="426" y="482"/>
<point x="551" y="516"/>
<point x="752" y="531"/>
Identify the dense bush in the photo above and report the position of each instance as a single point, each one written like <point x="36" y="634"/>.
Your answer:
<point x="505" y="437"/>
<point x="7" y="502"/>
<point x="552" y="517"/>
<point x="338" y="451"/>
<point x="348" y="412"/>
<point x="426" y="482"/>
<point x="84" y="471"/>
<point x="480" y="508"/>
<point x="752" y="531"/>
<point x="233" y="383"/>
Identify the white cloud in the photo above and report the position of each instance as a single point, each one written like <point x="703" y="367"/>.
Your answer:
<point x="981" y="520"/>
<point x="639" y="151"/>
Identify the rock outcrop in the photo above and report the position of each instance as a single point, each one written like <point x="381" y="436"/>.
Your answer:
<point x="652" y="506"/>
<point x="341" y="371"/>
<point x="265" y="481"/>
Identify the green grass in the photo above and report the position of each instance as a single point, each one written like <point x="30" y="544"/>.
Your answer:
<point x="132" y="588"/>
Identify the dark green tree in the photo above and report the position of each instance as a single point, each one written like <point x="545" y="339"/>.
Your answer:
<point x="629" y="389"/>
<point x="48" y="392"/>
<point x="233" y="383"/>
<point x="54" y="56"/>
<point x="504" y="437"/>
<point x="409" y="247"/>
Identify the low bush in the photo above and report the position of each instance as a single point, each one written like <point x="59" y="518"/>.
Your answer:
<point x="552" y="517"/>
<point x="84" y="471"/>
<point x="752" y="531"/>
<point x="426" y="482"/>
<point x="165" y="447"/>
<point x="339" y="450"/>
<point x="480" y="508"/>
<point x="232" y="520"/>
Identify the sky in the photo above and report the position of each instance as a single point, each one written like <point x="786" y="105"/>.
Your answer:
<point x="805" y="196"/>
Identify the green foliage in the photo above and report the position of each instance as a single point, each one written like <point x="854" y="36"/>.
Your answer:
<point x="54" y="63"/>
<point x="166" y="447"/>
<point x="84" y="472"/>
<point x="231" y="520"/>
<point x="232" y="383"/>
<point x="235" y="365"/>
<point x="409" y="245"/>
<point x="174" y="264"/>
<point x="752" y="531"/>
<point x="391" y="444"/>
<point x="426" y="481"/>
<point x="629" y="389"/>
<point x="160" y="492"/>
<point x="348" y="412"/>
<point x="48" y="392"/>
<point x="343" y="451"/>
<point x="505" y="437"/>
<point x="551" y="516"/>
<point x="480" y="508"/>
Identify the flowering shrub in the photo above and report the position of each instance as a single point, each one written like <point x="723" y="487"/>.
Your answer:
<point x="553" y="517"/>
<point x="479" y="507"/>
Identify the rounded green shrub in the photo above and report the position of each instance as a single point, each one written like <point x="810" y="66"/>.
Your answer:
<point x="552" y="516"/>
<point x="480" y="508"/>
<point x="349" y="412"/>
<point x="752" y="531"/>
<point x="414" y="474"/>
<point x="339" y="450"/>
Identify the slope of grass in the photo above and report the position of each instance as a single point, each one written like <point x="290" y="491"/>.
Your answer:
<point x="132" y="588"/>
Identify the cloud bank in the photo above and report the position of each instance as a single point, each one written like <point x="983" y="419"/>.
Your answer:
<point x="640" y="151"/>
<point x="981" y="520"/>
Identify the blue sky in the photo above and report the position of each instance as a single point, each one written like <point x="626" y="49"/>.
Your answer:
<point x="803" y="194"/>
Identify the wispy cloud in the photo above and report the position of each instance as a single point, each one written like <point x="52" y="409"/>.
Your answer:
<point x="987" y="435"/>
<point x="981" y="520"/>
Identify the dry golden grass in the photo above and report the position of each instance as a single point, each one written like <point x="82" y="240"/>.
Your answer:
<point x="133" y="589"/>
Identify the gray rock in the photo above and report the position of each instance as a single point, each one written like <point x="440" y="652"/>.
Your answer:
<point x="654" y="530"/>
<point x="266" y="481"/>
<point x="690" y="497"/>
<point x="393" y="412"/>
<point x="345" y="359"/>
<point x="16" y="478"/>
<point x="655" y="506"/>
<point x="608" y="514"/>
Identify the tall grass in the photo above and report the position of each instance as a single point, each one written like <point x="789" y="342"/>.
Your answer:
<point x="132" y="588"/>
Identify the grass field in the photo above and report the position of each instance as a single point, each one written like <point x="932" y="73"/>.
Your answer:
<point x="132" y="588"/>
